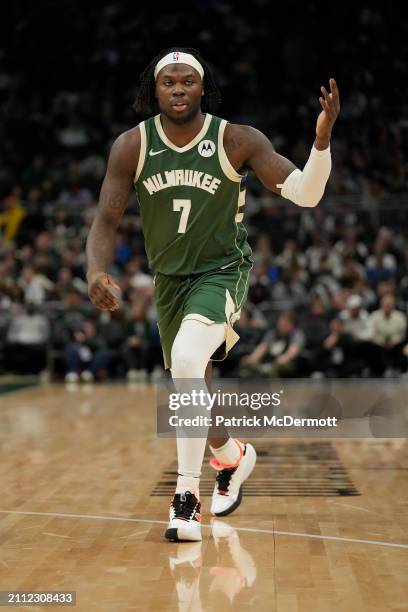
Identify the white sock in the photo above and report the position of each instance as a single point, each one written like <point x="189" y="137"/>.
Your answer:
<point x="228" y="454"/>
<point x="188" y="483"/>
<point x="190" y="454"/>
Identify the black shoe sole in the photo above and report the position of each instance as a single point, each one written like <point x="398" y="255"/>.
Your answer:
<point x="231" y="508"/>
<point x="171" y="534"/>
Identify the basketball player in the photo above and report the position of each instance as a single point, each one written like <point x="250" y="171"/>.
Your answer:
<point x="189" y="167"/>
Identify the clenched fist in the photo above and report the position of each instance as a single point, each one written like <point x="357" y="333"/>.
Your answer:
<point x="103" y="291"/>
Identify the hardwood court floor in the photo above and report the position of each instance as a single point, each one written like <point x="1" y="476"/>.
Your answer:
<point x="78" y="469"/>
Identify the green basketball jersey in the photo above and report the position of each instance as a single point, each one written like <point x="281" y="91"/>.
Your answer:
<point x="191" y="201"/>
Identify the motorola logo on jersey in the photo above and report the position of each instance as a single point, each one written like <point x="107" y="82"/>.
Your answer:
<point x="206" y="148"/>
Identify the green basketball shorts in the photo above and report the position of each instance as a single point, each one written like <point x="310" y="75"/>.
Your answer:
<point x="216" y="296"/>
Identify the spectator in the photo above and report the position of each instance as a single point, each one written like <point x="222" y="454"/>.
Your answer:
<point x="333" y="357"/>
<point x="86" y="357"/>
<point x="356" y="326"/>
<point x="75" y="196"/>
<point x="315" y="328"/>
<point x="34" y="286"/>
<point x="26" y="343"/>
<point x="72" y="315"/>
<point x="139" y="351"/>
<point x="259" y="291"/>
<point x="12" y="215"/>
<point x="388" y="329"/>
<point x="356" y="319"/>
<point x="66" y="282"/>
<point x="289" y="293"/>
<point x="278" y="353"/>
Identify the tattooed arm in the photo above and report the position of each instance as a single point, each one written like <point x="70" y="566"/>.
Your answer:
<point x="114" y="196"/>
<point x="249" y="149"/>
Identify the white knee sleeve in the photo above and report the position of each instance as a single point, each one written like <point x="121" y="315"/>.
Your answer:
<point x="193" y="346"/>
<point x="192" y="349"/>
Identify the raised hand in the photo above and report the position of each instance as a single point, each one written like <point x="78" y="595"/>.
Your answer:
<point x="330" y="103"/>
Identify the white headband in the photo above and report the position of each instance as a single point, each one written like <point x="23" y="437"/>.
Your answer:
<point x="178" y="57"/>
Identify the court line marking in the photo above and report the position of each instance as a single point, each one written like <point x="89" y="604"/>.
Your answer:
<point x="125" y="519"/>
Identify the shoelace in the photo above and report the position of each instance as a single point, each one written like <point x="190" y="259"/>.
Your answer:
<point x="224" y="475"/>
<point x="185" y="505"/>
<point x="223" y="480"/>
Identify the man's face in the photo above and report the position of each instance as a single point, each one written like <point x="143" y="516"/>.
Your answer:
<point x="179" y="90"/>
<point x="285" y="325"/>
<point x="387" y="304"/>
<point x="89" y="329"/>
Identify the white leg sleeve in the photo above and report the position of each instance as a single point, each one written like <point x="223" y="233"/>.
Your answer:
<point x="307" y="188"/>
<point x="190" y="354"/>
<point x="193" y="347"/>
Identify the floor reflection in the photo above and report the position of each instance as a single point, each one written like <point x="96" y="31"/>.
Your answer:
<point x="240" y="570"/>
<point x="185" y="563"/>
<point x="234" y="569"/>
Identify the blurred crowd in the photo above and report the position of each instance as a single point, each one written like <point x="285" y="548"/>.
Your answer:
<point x="329" y="287"/>
<point x="69" y="72"/>
<point x="328" y="297"/>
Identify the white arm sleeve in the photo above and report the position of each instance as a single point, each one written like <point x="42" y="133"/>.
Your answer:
<point x="306" y="188"/>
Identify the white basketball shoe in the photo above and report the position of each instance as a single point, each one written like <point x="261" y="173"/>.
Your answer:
<point x="185" y="518"/>
<point x="227" y="494"/>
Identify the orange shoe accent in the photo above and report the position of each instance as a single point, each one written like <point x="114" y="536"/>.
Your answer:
<point x="217" y="465"/>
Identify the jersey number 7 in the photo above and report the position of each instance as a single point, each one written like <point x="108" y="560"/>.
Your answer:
<point x="184" y="206"/>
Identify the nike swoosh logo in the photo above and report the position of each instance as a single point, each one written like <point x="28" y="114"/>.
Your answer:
<point x="152" y="153"/>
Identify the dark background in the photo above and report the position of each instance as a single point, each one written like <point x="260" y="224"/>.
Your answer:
<point x="269" y="58"/>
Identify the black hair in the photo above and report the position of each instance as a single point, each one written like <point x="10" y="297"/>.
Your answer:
<point x="146" y="102"/>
